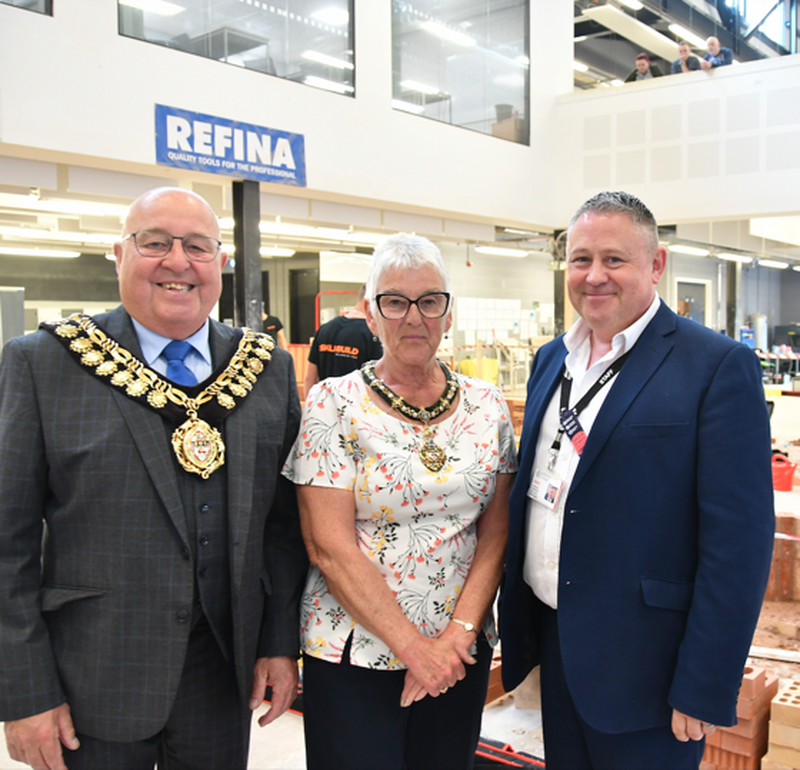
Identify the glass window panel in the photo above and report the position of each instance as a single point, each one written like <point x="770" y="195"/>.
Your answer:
<point x="463" y="62"/>
<point x="772" y="26"/>
<point x="309" y="41"/>
<point x="40" y="6"/>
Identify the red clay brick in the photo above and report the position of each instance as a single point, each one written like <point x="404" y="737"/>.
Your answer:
<point x="747" y="709"/>
<point x="754" y="681"/>
<point x="755" y="746"/>
<point x="747" y="728"/>
<point x="729" y="760"/>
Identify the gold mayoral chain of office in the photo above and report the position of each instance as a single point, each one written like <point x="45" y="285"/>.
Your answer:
<point x="433" y="457"/>
<point x="197" y="413"/>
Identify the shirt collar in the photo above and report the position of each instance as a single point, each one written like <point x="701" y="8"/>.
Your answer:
<point x="622" y="341"/>
<point x="152" y="344"/>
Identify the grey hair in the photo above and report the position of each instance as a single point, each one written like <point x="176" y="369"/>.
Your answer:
<point x="621" y="202"/>
<point x="403" y="251"/>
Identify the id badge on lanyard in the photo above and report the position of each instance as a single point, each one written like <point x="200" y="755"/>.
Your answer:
<point x="546" y="488"/>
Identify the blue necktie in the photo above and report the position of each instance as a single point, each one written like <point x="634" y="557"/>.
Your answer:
<point x="177" y="371"/>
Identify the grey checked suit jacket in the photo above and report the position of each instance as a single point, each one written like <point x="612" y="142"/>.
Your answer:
<point x="93" y="605"/>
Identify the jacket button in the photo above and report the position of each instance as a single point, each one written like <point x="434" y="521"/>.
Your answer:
<point x="204" y="540"/>
<point x="203" y="572"/>
<point x="185" y="552"/>
<point x="205" y="508"/>
<point x="574" y="510"/>
<point x="183" y="616"/>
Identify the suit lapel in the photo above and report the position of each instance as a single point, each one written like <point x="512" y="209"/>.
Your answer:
<point x="239" y="432"/>
<point x="648" y="354"/>
<point x="148" y="429"/>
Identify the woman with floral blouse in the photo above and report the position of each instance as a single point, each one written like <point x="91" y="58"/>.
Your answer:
<point x="403" y="471"/>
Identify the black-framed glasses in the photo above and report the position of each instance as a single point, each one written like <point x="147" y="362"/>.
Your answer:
<point x="396" y="306"/>
<point x="157" y="244"/>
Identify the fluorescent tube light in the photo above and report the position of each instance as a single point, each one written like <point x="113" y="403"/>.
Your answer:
<point x="580" y="66"/>
<point x="634" y="5"/>
<point x="500" y="251"/>
<point x="58" y="253"/>
<point x="413" y="85"/>
<point x="275" y="251"/>
<point x="773" y="263"/>
<point x="448" y="33"/>
<point x="687" y="35"/>
<point x="692" y="251"/>
<point x="336" y="17"/>
<point x="745" y="260"/>
<point x="330" y="61"/>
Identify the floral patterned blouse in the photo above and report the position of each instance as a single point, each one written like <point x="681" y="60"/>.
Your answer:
<point x="416" y="526"/>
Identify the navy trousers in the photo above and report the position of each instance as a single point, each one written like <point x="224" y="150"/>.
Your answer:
<point x="571" y="744"/>
<point x="354" y="721"/>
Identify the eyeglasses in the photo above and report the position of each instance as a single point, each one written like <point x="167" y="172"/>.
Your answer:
<point x="156" y="244"/>
<point x="395" y="306"/>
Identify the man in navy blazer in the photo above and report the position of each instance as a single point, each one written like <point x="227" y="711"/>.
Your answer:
<point x="151" y="560"/>
<point x="641" y="521"/>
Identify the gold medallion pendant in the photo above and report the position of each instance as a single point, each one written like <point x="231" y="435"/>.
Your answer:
<point x="198" y="447"/>
<point x="433" y="456"/>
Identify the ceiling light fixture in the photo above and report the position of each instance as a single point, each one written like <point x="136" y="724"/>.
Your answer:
<point x="336" y="17"/>
<point x="741" y="258"/>
<point x="276" y="251"/>
<point x="692" y="251"/>
<point x="773" y="263"/>
<point x="685" y="34"/>
<point x="330" y="61"/>
<point x="579" y="66"/>
<point x="413" y="85"/>
<point x="634" y="5"/>
<point x="57" y="253"/>
<point x="62" y="206"/>
<point x="499" y="251"/>
<point x="448" y="33"/>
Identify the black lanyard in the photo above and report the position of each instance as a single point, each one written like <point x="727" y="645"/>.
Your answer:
<point x="568" y="418"/>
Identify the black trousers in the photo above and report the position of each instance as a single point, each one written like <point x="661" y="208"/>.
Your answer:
<point x="571" y="744"/>
<point x="354" y="721"/>
<point x="208" y="727"/>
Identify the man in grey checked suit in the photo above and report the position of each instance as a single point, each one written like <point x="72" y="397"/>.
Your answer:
<point x="149" y="590"/>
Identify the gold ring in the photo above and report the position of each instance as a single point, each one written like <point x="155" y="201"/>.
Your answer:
<point x="444" y="690"/>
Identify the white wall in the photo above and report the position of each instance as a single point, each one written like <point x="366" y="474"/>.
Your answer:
<point x="70" y="85"/>
<point x="697" y="146"/>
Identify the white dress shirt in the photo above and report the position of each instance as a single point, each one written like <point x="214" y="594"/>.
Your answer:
<point x="198" y="360"/>
<point x="544" y="525"/>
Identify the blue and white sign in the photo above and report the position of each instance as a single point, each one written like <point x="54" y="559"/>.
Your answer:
<point x="218" y="146"/>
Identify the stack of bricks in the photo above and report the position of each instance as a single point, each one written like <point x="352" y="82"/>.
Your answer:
<point x="742" y="746"/>
<point x="784" y="577"/>
<point x="784" y="730"/>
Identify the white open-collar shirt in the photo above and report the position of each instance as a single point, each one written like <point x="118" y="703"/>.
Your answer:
<point x="544" y="525"/>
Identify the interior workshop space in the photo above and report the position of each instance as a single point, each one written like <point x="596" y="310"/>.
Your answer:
<point x="316" y="128"/>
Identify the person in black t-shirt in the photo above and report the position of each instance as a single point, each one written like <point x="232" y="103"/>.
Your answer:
<point x="342" y="345"/>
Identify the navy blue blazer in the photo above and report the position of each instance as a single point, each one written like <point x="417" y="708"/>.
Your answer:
<point x="668" y="533"/>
